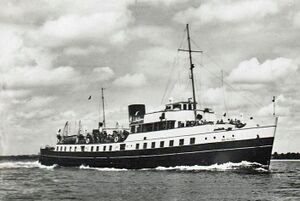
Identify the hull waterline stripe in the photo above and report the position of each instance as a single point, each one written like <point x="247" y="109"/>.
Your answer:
<point x="158" y="155"/>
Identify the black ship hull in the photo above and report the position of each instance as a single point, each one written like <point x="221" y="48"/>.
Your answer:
<point x="255" y="150"/>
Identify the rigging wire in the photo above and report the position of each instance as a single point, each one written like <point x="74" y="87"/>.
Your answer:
<point x="174" y="64"/>
<point x="231" y="87"/>
<point x="220" y="68"/>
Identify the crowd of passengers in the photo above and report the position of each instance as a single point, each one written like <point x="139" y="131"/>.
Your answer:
<point x="95" y="137"/>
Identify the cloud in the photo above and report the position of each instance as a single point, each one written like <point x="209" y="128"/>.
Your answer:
<point x="103" y="73"/>
<point x="83" y="51"/>
<point x="85" y="28"/>
<point x="152" y="34"/>
<point x="296" y="20"/>
<point x="228" y="11"/>
<point x="251" y="71"/>
<point x="33" y="76"/>
<point x="282" y="107"/>
<point x="131" y="80"/>
<point x="162" y="2"/>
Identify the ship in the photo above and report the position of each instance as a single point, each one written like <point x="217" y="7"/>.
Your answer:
<point x="181" y="134"/>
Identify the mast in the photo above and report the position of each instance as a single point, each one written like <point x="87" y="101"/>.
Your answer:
<point x="273" y="100"/>
<point x="103" y="110"/>
<point x="192" y="66"/>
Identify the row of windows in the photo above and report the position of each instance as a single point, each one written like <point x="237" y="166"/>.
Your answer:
<point x="162" y="143"/>
<point x="137" y="145"/>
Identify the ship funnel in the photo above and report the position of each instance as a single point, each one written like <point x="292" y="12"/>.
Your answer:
<point x="136" y="112"/>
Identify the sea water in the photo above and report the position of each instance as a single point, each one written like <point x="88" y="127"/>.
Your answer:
<point x="29" y="180"/>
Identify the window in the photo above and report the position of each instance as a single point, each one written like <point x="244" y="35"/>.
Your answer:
<point x="104" y="148"/>
<point x="192" y="140"/>
<point x="97" y="149"/>
<point x="184" y="106"/>
<point x="122" y="147"/>
<point x="137" y="146"/>
<point x="181" y="142"/>
<point x="145" y="138"/>
<point x="190" y="106"/>
<point x="177" y="106"/>
<point x="82" y="148"/>
<point x="65" y="149"/>
<point x="132" y="129"/>
<point x="56" y="148"/>
<point x="61" y="148"/>
<point x="145" y="145"/>
<point x="153" y="145"/>
<point x="92" y="148"/>
<point x="162" y="143"/>
<point x="70" y="148"/>
<point x="110" y="147"/>
<point x="171" y="143"/>
<point x="75" y="149"/>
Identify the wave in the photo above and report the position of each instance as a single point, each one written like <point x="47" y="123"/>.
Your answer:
<point x="83" y="167"/>
<point x="24" y="164"/>
<point x="242" y="166"/>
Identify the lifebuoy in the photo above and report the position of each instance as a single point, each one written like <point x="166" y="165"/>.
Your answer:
<point x="116" y="139"/>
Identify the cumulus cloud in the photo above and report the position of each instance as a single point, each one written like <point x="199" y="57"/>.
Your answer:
<point x="282" y="107"/>
<point x="251" y="71"/>
<point x="131" y="80"/>
<point x="26" y="77"/>
<point x="164" y="2"/>
<point x="103" y="73"/>
<point x="228" y="11"/>
<point x="85" y="28"/>
<point x="296" y="20"/>
<point x="151" y="34"/>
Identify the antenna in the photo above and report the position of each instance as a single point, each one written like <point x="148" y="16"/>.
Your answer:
<point x="192" y="66"/>
<point x="103" y="109"/>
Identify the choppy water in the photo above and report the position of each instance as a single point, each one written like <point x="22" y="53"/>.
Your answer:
<point x="28" y="180"/>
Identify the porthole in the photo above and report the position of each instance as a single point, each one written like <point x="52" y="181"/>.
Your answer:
<point x="223" y="136"/>
<point x="232" y="135"/>
<point x="206" y="138"/>
<point x="214" y="137"/>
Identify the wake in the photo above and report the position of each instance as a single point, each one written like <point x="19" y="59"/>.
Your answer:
<point x="24" y="164"/>
<point x="242" y="166"/>
<point x="234" y="167"/>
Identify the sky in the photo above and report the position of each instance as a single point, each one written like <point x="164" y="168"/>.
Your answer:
<point x="55" y="54"/>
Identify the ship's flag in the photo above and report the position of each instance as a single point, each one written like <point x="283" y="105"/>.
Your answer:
<point x="224" y="115"/>
<point x="90" y="97"/>
<point x="273" y="100"/>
